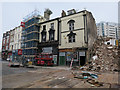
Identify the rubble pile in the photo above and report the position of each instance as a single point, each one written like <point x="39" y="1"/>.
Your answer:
<point x="105" y="57"/>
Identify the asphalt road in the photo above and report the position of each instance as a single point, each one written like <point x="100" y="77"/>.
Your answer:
<point x="6" y="70"/>
<point x="49" y="77"/>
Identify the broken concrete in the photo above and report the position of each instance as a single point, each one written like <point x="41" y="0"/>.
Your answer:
<point x="105" y="57"/>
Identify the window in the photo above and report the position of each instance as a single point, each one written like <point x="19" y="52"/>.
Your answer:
<point x="3" y="41"/>
<point x="44" y="37"/>
<point x="52" y="25"/>
<point x="44" y="27"/>
<point x="18" y="46"/>
<point x="18" y="36"/>
<point x="51" y="34"/>
<point x="71" y="39"/>
<point x="6" y="47"/>
<point x="43" y="33"/>
<point x="71" y="24"/>
<point x="7" y="39"/>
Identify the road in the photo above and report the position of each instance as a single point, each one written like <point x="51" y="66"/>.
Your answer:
<point x="49" y="77"/>
<point x="6" y="70"/>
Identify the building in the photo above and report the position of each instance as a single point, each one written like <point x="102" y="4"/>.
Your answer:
<point x="16" y="42"/>
<point x="77" y="35"/>
<point x="30" y="34"/>
<point x="108" y="29"/>
<point x="12" y="33"/>
<point x="5" y="45"/>
<point x="66" y="37"/>
<point x="49" y="37"/>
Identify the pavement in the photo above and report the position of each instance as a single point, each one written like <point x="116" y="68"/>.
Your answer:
<point x="51" y="77"/>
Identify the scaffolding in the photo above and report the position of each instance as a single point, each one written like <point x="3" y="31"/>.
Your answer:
<point x="35" y="13"/>
<point x="30" y="34"/>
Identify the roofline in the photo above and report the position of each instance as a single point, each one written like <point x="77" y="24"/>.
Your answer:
<point x="49" y="20"/>
<point x="75" y="13"/>
<point x="61" y="17"/>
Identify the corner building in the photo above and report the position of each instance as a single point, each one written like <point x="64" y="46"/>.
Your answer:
<point x="77" y="35"/>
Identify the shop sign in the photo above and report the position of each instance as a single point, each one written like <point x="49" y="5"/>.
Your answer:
<point x="47" y="50"/>
<point x="66" y="50"/>
<point x="81" y="53"/>
<point x="19" y="51"/>
<point x="23" y="24"/>
<point x="62" y="54"/>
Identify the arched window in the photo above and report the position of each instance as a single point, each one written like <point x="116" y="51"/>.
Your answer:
<point x="71" y="24"/>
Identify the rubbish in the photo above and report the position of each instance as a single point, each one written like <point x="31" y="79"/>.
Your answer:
<point x="75" y="68"/>
<point x="94" y="83"/>
<point x="94" y="76"/>
<point x="105" y="57"/>
<point x="116" y="70"/>
<point x="12" y="65"/>
<point x="94" y="57"/>
<point x="109" y="47"/>
<point x="84" y="75"/>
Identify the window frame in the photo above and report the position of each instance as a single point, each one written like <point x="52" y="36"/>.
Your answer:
<point x="71" y="39"/>
<point x="71" y="24"/>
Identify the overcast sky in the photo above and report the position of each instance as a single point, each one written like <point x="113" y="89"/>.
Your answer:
<point x="14" y="12"/>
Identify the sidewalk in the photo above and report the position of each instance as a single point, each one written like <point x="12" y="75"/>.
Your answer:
<point x="54" y="67"/>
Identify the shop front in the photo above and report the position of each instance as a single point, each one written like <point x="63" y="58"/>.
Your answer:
<point x="17" y="55"/>
<point x="67" y="55"/>
<point x="9" y="55"/>
<point x="50" y="48"/>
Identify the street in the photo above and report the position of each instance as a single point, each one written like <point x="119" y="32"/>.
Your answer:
<point x="6" y="70"/>
<point x="49" y="77"/>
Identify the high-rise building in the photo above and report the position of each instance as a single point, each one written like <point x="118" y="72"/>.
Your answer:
<point x="108" y="29"/>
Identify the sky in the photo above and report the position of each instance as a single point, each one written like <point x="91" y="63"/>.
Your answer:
<point x="12" y="13"/>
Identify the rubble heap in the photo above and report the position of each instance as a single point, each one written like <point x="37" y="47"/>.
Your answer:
<point x="105" y="57"/>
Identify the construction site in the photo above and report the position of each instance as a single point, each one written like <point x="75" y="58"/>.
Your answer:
<point x="62" y="53"/>
<point x="101" y="71"/>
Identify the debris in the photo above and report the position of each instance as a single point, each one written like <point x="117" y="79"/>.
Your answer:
<point x="109" y="47"/>
<point x="94" y="76"/>
<point x="94" y="57"/>
<point x="94" y="83"/>
<point x="105" y="57"/>
<point x="84" y="75"/>
<point x="75" y="68"/>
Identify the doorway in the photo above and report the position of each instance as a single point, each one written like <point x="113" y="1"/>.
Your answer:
<point x="82" y="60"/>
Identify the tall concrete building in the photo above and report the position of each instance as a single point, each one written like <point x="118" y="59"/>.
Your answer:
<point x="108" y="29"/>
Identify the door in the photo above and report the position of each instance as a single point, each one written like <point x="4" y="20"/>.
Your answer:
<point x="82" y="58"/>
<point x="62" y="60"/>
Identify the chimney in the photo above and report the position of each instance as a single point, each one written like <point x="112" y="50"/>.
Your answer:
<point x="72" y="11"/>
<point x="63" y="13"/>
<point x="47" y="13"/>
